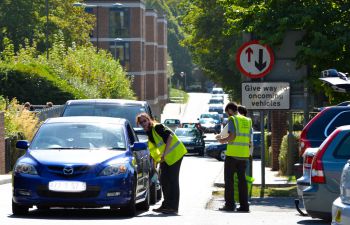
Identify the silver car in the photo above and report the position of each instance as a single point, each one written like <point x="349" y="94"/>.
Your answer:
<point x="326" y="171"/>
<point x="341" y="206"/>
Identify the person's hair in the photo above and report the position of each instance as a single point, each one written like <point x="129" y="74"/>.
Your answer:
<point x="231" y="105"/>
<point x="242" y="110"/>
<point x="27" y="104"/>
<point x="145" y="115"/>
<point x="49" y="104"/>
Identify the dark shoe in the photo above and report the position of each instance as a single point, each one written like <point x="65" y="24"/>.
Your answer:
<point x="243" y="210"/>
<point x="159" y="210"/>
<point x="168" y="211"/>
<point x="227" y="208"/>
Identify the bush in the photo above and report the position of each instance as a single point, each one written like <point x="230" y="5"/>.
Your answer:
<point x="35" y="83"/>
<point x="287" y="160"/>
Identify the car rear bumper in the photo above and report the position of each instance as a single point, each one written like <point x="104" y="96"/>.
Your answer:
<point x="318" y="201"/>
<point x="340" y="213"/>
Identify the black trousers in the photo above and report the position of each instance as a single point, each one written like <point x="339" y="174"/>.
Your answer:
<point x="169" y="180"/>
<point x="233" y="165"/>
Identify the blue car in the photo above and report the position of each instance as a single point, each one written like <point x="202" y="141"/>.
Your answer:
<point x="83" y="162"/>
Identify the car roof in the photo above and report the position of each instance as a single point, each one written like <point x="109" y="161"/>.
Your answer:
<point x="106" y="101"/>
<point x="86" y="119"/>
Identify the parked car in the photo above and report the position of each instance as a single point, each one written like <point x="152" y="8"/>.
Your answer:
<point x="341" y="206"/>
<point x="305" y="180"/>
<point x="216" y="150"/>
<point x="216" y="100"/>
<point x="192" y="139"/>
<point x="326" y="169"/>
<point x="219" y="108"/>
<point x="208" y="125"/>
<point x="322" y="125"/>
<point x="119" y="108"/>
<point x="82" y="162"/>
<point x="173" y="124"/>
<point x="216" y="117"/>
<point x="218" y="91"/>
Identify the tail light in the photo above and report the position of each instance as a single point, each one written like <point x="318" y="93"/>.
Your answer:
<point x="307" y="162"/>
<point x="304" y="142"/>
<point x="317" y="171"/>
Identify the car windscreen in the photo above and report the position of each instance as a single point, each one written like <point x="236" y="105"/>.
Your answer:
<point x="79" y="136"/>
<point x="185" y="132"/>
<point x="128" y="112"/>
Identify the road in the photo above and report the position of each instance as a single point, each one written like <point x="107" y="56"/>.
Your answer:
<point x="197" y="205"/>
<point x="196" y="208"/>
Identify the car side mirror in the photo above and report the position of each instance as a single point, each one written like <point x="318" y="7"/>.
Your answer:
<point x="139" y="146"/>
<point x="22" y="144"/>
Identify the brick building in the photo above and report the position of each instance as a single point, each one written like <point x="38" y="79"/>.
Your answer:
<point x="138" y="38"/>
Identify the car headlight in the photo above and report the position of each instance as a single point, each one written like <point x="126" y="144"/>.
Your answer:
<point x="114" y="170"/>
<point x="25" y="168"/>
<point x="345" y="185"/>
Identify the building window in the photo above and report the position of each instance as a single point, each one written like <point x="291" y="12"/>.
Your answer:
<point x="121" y="51"/>
<point x="119" y="22"/>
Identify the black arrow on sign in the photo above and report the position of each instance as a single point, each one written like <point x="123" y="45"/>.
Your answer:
<point x="260" y="65"/>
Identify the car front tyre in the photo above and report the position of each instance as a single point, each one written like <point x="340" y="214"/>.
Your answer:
<point x="19" y="210"/>
<point x="222" y="156"/>
<point x="130" y="209"/>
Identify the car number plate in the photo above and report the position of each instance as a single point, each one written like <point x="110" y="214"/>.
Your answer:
<point x="67" y="186"/>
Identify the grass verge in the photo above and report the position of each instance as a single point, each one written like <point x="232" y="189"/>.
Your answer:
<point x="267" y="192"/>
<point x="176" y="95"/>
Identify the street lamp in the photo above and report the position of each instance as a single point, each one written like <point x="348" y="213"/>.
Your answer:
<point x="115" y="5"/>
<point x="47" y="28"/>
<point x="115" y="47"/>
<point x="183" y="75"/>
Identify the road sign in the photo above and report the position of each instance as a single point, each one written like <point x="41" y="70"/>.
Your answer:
<point x="254" y="60"/>
<point x="266" y="95"/>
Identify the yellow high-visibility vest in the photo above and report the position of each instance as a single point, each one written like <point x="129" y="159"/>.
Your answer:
<point x="239" y="147"/>
<point x="176" y="151"/>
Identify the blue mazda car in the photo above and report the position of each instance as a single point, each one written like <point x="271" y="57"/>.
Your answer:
<point x="82" y="162"/>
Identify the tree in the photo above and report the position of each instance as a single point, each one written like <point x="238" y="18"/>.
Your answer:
<point x="325" y="43"/>
<point x="26" y="19"/>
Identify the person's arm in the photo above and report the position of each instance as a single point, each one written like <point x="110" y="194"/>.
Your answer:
<point x="231" y="133"/>
<point x="167" y="147"/>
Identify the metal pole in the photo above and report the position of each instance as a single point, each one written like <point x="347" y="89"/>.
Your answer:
<point x="97" y="30"/>
<point x="262" y="153"/>
<point x="47" y="28"/>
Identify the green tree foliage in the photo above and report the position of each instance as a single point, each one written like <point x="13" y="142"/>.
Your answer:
<point x="180" y="55"/>
<point x="325" y="43"/>
<point x="209" y="43"/>
<point x="26" y="19"/>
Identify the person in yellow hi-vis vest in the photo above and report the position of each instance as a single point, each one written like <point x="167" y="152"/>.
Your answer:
<point x="237" y="154"/>
<point x="165" y="148"/>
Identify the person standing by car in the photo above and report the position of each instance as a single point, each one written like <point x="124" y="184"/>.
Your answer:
<point x="237" y="153"/>
<point x="168" y="150"/>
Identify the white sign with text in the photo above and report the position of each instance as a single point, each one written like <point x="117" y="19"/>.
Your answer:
<point x="266" y="95"/>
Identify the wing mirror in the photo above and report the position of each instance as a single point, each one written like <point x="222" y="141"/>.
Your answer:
<point x="139" y="146"/>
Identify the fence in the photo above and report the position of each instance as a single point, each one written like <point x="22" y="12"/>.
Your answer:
<point x="45" y="113"/>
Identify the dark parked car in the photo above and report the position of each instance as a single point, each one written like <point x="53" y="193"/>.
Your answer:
<point x="193" y="139"/>
<point x="82" y="162"/>
<point x="326" y="169"/>
<point x="172" y="123"/>
<point x="119" y="108"/>
<point x="216" y="150"/>
<point x="322" y="125"/>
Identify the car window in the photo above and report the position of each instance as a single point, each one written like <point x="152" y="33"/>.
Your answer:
<point x="131" y="134"/>
<point x="342" y="118"/>
<point x="128" y="112"/>
<point x="342" y="150"/>
<point x="79" y="136"/>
